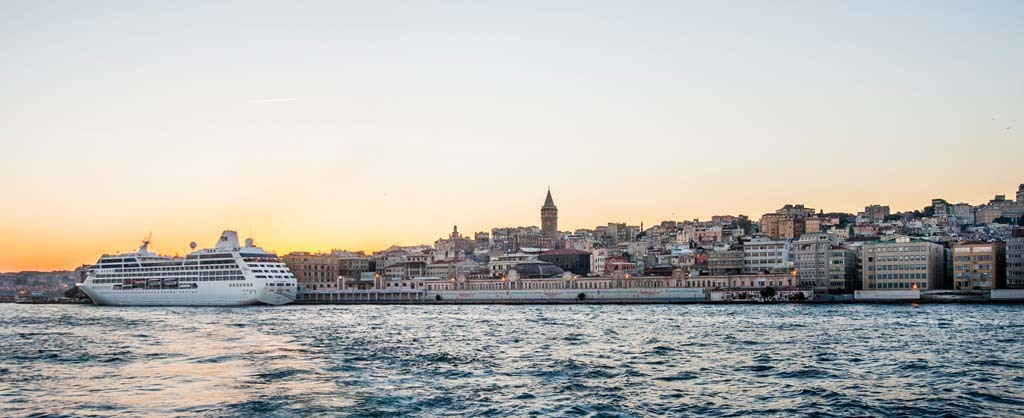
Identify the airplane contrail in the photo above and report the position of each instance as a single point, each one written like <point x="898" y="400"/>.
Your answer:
<point x="274" y="100"/>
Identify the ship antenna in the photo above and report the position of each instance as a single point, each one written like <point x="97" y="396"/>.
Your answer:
<point x="145" y="242"/>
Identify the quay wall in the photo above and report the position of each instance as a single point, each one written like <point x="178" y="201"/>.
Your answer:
<point x="886" y="295"/>
<point x="626" y="295"/>
<point x="635" y="296"/>
<point x="1007" y="294"/>
<point x="570" y="295"/>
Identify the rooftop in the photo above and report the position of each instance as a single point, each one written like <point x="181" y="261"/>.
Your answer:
<point x="564" y="251"/>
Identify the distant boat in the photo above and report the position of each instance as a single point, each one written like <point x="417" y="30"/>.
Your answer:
<point x="31" y="297"/>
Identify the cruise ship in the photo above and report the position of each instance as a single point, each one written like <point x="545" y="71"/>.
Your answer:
<point x="227" y="275"/>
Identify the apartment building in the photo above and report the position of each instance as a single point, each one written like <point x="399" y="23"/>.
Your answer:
<point x="979" y="265"/>
<point x="901" y="263"/>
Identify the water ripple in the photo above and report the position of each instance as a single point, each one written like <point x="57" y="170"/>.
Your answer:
<point x="650" y="360"/>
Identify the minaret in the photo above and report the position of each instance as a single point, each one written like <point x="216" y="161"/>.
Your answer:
<point x="549" y="220"/>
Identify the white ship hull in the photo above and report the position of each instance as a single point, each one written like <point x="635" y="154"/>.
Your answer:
<point x="210" y="294"/>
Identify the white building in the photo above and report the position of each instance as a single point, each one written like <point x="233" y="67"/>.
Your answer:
<point x="503" y="263"/>
<point x="762" y="253"/>
<point x="597" y="260"/>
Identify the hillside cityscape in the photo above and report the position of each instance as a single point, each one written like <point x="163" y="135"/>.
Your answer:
<point x="795" y="249"/>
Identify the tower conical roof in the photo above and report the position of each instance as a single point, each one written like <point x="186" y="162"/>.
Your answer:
<point x="548" y="201"/>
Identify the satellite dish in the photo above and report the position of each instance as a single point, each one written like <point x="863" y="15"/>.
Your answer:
<point x="192" y="245"/>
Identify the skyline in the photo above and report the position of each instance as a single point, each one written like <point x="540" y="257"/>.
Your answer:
<point x="332" y="125"/>
<point x="180" y="243"/>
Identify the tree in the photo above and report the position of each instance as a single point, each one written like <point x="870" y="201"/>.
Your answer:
<point x="768" y="293"/>
<point x="844" y="218"/>
<point x="744" y="223"/>
<point x="73" y="293"/>
<point x="1002" y="220"/>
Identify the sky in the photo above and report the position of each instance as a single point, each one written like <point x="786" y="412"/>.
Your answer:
<point x="357" y="125"/>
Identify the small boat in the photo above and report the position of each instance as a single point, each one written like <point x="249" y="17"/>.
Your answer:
<point x="33" y="297"/>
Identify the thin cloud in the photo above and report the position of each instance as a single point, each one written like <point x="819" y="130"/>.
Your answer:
<point x="274" y="100"/>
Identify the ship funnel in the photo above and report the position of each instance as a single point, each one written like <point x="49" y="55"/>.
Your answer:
<point x="228" y="240"/>
<point x="248" y="242"/>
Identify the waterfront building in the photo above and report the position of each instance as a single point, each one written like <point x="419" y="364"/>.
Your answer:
<point x="842" y="269"/>
<point x="565" y="281"/>
<point x="811" y="258"/>
<point x="1015" y="262"/>
<point x="314" y="271"/>
<point x="761" y="254"/>
<point x="979" y="265"/>
<point x="902" y="263"/>
<point x="364" y="281"/>
<point x="1020" y="194"/>
<point x="726" y="261"/>
<point x="549" y="222"/>
<point x="574" y="261"/>
<point x="759" y="281"/>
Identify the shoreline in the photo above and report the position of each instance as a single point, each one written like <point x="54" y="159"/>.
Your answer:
<point x="603" y="302"/>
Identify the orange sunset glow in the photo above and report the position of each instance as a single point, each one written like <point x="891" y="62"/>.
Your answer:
<point x="363" y="128"/>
